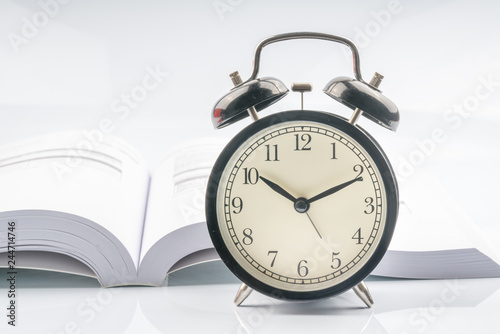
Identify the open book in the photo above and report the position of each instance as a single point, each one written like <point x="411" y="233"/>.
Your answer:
<point x="434" y="237"/>
<point x="89" y="206"/>
<point x="73" y="197"/>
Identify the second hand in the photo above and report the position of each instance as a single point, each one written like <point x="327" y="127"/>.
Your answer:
<point x="313" y="224"/>
<point x="301" y="205"/>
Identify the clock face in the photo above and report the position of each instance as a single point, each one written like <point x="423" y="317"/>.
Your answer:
<point x="301" y="205"/>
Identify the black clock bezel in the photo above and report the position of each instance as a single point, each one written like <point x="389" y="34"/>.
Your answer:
<point x="358" y="134"/>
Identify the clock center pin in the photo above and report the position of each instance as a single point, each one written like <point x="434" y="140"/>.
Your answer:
<point x="301" y="205"/>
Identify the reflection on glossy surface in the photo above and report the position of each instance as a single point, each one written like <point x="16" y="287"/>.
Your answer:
<point x="200" y="299"/>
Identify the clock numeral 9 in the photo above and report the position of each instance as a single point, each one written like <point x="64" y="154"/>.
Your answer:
<point x="302" y="270"/>
<point x="336" y="263"/>
<point x="247" y="239"/>
<point x="237" y="204"/>
<point x="251" y="175"/>
<point x="302" y="142"/>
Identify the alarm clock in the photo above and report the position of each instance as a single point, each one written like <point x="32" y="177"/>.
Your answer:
<point x="302" y="204"/>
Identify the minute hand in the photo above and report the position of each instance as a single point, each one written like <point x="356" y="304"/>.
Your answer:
<point x="334" y="189"/>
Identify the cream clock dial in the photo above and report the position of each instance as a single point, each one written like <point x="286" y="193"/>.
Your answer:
<point x="301" y="205"/>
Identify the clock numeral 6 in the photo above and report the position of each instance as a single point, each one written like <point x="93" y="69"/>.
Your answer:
<point x="237" y="204"/>
<point x="302" y="270"/>
<point x="251" y="175"/>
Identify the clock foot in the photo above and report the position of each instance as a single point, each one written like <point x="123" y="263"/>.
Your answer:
<point x="362" y="292"/>
<point x="243" y="292"/>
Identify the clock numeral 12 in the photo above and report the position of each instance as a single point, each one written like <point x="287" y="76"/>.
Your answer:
<point x="305" y="139"/>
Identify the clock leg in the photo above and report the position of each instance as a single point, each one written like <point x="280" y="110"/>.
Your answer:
<point x="243" y="292"/>
<point x="362" y="292"/>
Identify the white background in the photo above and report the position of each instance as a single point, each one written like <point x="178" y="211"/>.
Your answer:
<point x="69" y="65"/>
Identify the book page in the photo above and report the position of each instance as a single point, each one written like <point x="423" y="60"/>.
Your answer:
<point x="50" y="262"/>
<point x="177" y="190"/>
<point x="81" y="173"/>
<point x="429" y="220"/>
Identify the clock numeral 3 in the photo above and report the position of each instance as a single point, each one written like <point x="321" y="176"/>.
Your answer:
<point x="251" y="175"/>
<point x="302" y="142"/>
<point x="302" y="270"/>
<point x="247" y="239"/>
<point x="369" y="205"/>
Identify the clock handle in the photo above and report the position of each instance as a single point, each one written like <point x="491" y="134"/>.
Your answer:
<point x="306" y="35"/>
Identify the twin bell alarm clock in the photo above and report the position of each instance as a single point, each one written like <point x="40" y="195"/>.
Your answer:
<point x="302" y="204"/>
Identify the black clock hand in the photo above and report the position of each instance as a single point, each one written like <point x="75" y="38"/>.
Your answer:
<point x="278" y="189"/>
<point x="301" y="204"/>
<point x="334" y="189"/>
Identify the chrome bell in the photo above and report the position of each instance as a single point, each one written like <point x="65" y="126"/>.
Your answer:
<point x="258" y="93"/>
<point x="255" y="94"/>
<point x="361" y="96"/>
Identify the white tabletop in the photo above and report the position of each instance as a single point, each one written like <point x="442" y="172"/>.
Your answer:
<point x="199" y="300"/>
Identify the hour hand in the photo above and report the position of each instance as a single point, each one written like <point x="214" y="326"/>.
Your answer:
<point x="278" y="189"/>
